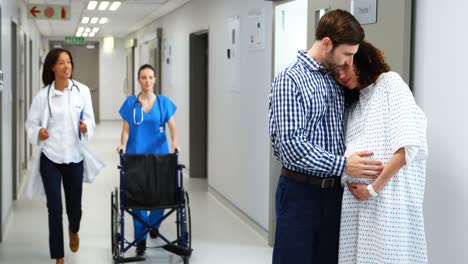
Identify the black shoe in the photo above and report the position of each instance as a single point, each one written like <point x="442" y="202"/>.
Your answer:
<point x="141" y="248"/>
<point x="154" y="233"/>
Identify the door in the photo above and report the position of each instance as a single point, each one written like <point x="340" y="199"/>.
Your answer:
<point x="30" y="87"/>
<point x="86" y="69"/>
<point x="1" y="129"/>
<point x="290" y="36"/>
<point x="198" y="104"/>
<point x="130" y="73"/>
<point x="25" y="105"/>
<point x="17" y="113"/>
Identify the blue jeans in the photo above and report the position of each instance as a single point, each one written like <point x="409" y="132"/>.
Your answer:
<point x="307" y="223"/>
<point x="151" y="219"/>
<point x="52" y="175"/>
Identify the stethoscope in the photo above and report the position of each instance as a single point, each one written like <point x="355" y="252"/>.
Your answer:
<point x="161" y="128"/>
<point x="48" y="94"/>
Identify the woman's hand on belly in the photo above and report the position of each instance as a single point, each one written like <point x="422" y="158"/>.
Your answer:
<point x="359" y="190"/>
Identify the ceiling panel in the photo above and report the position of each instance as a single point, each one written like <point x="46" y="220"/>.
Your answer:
<point x="131" y="16"/>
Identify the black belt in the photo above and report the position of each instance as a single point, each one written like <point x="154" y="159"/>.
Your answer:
<point x="313" y="180"/>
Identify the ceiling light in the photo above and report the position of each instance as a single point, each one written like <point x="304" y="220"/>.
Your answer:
<point x="94" y="20"/>
<point x="95" y="29"/>
<point x="80" y="29"/>
<point x="103" y="5"/>
<point x="85" y="20"/>
<point x="92" y="5"/>
<point x="78" y="34"/>
<point x="108" y="43"/>
<point x="103" y="20"/>
<point x="85" y="34"/>
<point x="92" y="34"/>
<point x="87" y="30"/>
<point x="115" y="5"/>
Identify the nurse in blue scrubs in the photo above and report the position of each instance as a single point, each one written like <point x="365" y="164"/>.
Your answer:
<point x="144" y="132"/>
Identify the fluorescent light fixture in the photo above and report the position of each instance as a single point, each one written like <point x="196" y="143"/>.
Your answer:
<point x="103" y="20"/>
<point x="95" y="29"/>
<point x="103" y="5"/>
<point x="92" y="34"/>
<point x="108" y="43"/>
<point x="80" y="29"/>
<point x="115" y="5"/>
<point x="78" y="34"/>
<point x="85" y="34"/>
<point x="92" y="5"/>
<point x="94" y="20"/>
<point x="87" y="30"/>
<point x="85" y="20"/>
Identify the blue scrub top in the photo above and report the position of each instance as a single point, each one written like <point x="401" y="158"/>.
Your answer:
<point x="146" y="138"/>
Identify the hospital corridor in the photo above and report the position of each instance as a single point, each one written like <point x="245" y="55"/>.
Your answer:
<point x="233" y="131"/>
<point x="218" y="235"/>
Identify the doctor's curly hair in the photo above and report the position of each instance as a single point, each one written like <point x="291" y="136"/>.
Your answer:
<point x="48" y="76"/>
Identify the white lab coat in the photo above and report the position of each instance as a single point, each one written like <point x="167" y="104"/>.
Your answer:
<point x="38" y="118"/>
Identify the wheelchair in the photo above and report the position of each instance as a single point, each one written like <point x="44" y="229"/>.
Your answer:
<point x="150" y="182"/>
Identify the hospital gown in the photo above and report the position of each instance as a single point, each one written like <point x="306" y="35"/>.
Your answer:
<point x="388" y="228"/>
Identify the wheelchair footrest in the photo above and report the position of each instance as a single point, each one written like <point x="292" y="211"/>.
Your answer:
<point x="178" y="250"/>
<point x="129" y="259"/>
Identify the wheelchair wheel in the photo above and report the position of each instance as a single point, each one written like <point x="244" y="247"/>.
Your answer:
<point x="115" y="236"/>
<point x="185" y="240"/>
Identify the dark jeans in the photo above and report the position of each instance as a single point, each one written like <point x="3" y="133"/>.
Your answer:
<point x="307" y="223"/>
<point x="52" y="175"/>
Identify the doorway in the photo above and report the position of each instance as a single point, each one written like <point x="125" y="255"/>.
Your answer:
<point x="198" y="116"/>
<point x="86" y="68"/>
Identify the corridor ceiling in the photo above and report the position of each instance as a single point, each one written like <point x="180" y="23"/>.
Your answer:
<point x="130" y="16"/>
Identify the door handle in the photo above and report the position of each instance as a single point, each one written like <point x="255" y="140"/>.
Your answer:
<point x="1" y="81"/>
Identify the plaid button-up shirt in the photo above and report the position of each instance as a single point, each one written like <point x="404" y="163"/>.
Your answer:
<point x="306" y="119"/>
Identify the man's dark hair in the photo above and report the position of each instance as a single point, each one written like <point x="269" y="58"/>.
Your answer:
<point x="341" y="27"/>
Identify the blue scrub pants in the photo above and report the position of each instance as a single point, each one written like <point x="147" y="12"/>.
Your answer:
<point x="152" y="218"/>
<point x="307" y="223"/>
<point x="52" y="175"/>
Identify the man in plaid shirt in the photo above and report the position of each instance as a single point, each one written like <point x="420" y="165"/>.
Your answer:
<point x="306" y="125"/>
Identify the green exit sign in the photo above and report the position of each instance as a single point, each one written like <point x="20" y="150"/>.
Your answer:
<point x="75" y="40"/>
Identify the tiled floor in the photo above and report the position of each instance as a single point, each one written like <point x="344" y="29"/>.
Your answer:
<point x="218" y="236"/>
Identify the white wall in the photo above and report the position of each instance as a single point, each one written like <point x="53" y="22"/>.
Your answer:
<point x="238" y="144"/>
<point x="440" y="86"/>
<point x="10" y="12"/>
<point x="111" y="80"/>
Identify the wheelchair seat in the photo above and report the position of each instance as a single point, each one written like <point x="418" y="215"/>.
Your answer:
<point x="150" y="181"/>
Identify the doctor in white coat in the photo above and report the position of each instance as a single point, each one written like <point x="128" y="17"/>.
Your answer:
<point x="60" y="119"/>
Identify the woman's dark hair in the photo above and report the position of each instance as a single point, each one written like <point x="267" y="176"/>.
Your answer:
<point x="341" y="27"/>
<point x="370" y="63"/>
<point x="145" y="66"/>
<point x="48" y="76"/>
